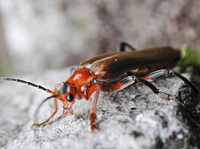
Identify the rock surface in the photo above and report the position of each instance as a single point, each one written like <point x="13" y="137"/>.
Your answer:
<point x="131" y="118"/>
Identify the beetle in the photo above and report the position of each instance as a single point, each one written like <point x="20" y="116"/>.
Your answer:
<point x="112" y="72"/>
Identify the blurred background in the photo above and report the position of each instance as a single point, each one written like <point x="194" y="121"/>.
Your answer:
<point x="38" y="35"/>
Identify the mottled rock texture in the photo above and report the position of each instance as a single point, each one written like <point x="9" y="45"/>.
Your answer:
<point x="131" y="118"/>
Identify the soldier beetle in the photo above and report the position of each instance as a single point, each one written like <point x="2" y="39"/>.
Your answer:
<point x="112" y="72"/>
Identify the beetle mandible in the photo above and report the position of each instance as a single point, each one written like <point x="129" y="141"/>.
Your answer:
<point x="112" y="72"/>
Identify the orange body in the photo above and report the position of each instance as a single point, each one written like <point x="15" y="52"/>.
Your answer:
<point x="108" y="72"/>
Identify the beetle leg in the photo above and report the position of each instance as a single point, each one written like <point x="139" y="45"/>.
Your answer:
<point x="193" y="86"/>
<point x="162" y="95"/>
<point x="164" y="73"/>
<point x="51" y="117"/>
<point x="95" y="88"/>
<point x="156" y="75"/>
<point x="123" y="46"/>
<point x="125" y="82"/>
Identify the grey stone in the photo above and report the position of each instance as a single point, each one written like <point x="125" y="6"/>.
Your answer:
<point x="131" y="118"/>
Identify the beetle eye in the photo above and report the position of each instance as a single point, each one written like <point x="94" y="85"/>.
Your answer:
<point x="70" y="97"/>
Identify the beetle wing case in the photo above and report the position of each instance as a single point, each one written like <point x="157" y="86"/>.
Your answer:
<point x="112" y="65"/>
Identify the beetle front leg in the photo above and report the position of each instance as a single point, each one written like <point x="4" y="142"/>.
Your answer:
<point x="51" y="117"/>
<point x="95" y="88"/>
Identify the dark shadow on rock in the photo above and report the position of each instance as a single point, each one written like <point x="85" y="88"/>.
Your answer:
<point x="191" y="112"/>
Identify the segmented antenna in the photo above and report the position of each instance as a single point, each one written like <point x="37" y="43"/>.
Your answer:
<point x="26" y="82"/>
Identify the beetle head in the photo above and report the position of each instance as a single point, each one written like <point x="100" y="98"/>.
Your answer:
<point x="68" y="95"/>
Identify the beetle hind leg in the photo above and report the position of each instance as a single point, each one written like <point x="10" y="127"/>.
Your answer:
<point x="123" y="46"/>
<point x="118" y="85"/>
<point x="188" y="82"/>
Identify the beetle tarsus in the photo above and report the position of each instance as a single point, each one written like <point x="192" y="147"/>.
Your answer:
<point x="93" y="122"/>
<point x="93" y="116"/>
<point x="166" y="96"/>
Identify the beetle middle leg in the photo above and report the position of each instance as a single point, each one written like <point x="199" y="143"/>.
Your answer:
<point x="164" y="73"/>
<point x="162" y="95"/>
<point x="129" y="80"/>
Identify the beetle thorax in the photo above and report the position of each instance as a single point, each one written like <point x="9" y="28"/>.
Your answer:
<point x="80" y="77"/>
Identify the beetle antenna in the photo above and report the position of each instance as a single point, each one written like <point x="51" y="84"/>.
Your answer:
<point x="26" y="82"/>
